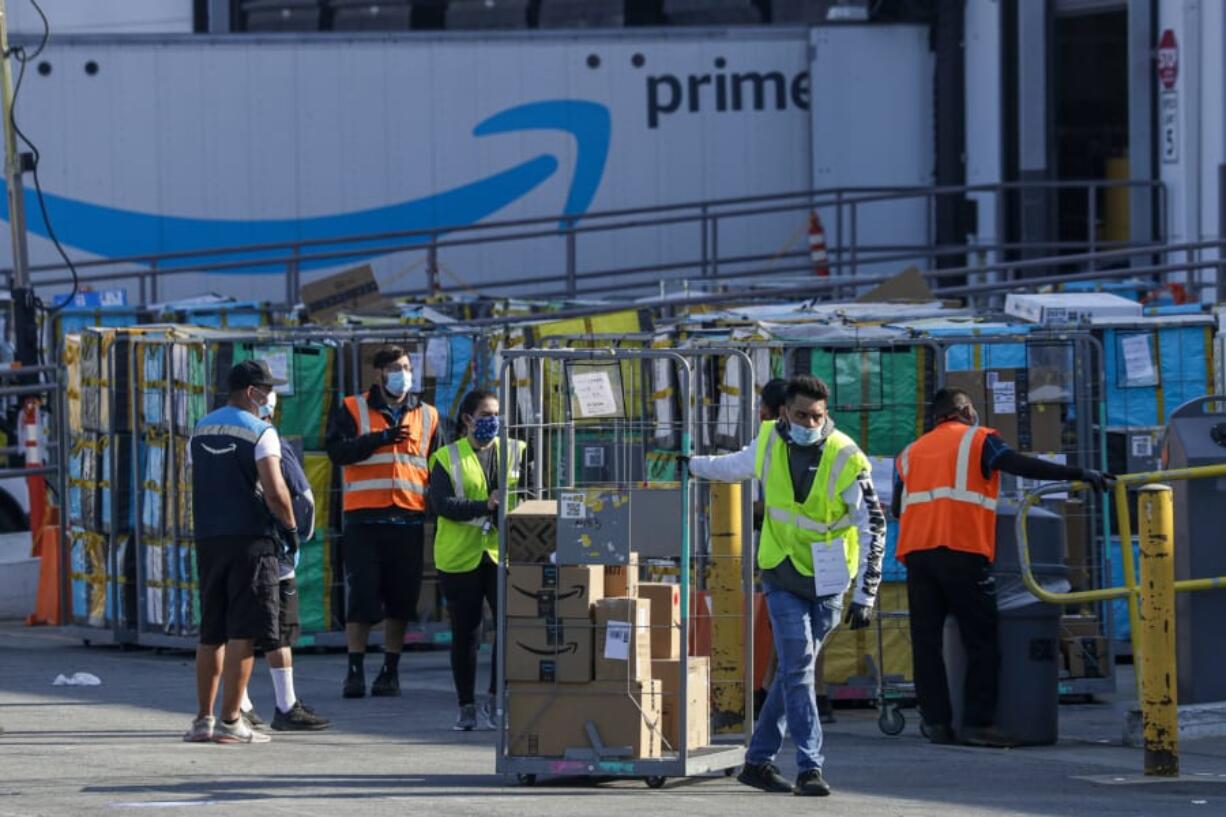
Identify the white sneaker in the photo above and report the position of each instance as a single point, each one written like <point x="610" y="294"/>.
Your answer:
<point x="201" y="731"/>
<point x="466" y="720"/>
<point x="487" y="716"/>
<point x="237" y="732"/>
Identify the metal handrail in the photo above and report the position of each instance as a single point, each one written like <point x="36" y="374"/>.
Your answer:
<point x="844" y="254"/>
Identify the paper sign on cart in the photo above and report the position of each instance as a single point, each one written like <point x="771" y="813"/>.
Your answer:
<point x="594" y="393"/>
<point x="617" y="641"/>
<point x="279" y="365"/>
<point x="572" y="506"/>
<point x="1138" y="353"/>
<point x="830" y="576"/>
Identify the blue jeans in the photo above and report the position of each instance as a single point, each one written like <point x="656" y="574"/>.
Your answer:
<point x="799" y="627"/>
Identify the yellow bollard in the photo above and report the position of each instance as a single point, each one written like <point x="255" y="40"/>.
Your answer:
<point x="727" y="609"/>
<point x="1159" y="689"/>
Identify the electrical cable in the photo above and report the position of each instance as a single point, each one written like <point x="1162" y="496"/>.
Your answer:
<point x="19" y="53"/>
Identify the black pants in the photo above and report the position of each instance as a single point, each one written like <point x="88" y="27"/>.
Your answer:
<point x="383" y="568"/>
<point x="466" y="595"/>
<point x="941" y="582"/>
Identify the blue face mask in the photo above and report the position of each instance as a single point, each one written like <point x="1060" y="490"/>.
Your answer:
<point x="399" y="383"/>
<point x="804" y="436"/>
<point x="486" y="429"/>
<point x="266" y="409"/>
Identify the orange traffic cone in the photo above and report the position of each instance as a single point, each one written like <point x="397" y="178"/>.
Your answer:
<point x="47" y="549"/>
<point x="817" y="246"/>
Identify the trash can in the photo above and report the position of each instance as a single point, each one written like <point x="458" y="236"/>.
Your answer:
<point x="1196" y="436"/>
<point x="1028" y="632"/>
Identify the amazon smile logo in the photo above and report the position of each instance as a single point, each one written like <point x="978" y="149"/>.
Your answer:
<point x="112" y="232"/>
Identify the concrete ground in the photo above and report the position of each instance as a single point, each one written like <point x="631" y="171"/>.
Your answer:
<point x="116" y="748"/>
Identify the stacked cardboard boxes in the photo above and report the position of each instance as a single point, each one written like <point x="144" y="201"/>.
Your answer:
<point x="1083" y="648"/>
<point x="583" y="642"/>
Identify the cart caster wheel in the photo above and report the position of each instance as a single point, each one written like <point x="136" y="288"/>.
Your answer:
<point x="730" y="772"/>
<point x="891" y="721"/>
<point x="924" y="730"/>
<point x="655" y="782"/>
<point x="85" y="642"/>
<point x="527" y="780"/>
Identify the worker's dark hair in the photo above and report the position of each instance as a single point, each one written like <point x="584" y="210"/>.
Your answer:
<point x="775" y="394"/>
<point x="806" y="385"/>
<point x="387" y="355"/>
<point x="945" y="402"/>
<point x="471" y="402"/>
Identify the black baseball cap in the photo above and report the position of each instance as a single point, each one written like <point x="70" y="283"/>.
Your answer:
<point x="252" y="373"/>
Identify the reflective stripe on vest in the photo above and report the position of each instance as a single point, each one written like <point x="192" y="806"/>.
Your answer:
<point x="395" y="457"/>
<point x="244" y="434"/>
<point x="396" y="475"/>
<point x="805" y="523"/>
<point x="959" y="491"/>
<point x="386" y="485"/>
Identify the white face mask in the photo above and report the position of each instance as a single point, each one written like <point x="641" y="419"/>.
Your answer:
<point x="399" y="383"/>
<point x="266" y="409"/>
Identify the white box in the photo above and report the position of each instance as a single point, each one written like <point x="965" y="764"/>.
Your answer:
<point x="1065" y="308"/>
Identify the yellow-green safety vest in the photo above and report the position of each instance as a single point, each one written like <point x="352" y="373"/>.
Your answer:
<point x="458" y="545"/>
<point x="789" y="528"/>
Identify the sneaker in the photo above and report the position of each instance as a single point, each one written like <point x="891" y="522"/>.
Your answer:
<point x="825" y="711"/>
<point x="487" y="716"/>
<point x="466" y="721"/>
<point x="201" y="731"/>
<point x="387" y="685"/>
<point x="941" y="734"/>
<point x="988" y="736"/>
<point x="810" y="783"/>
<point x="355" y="687"/>
<point x="254" y="720"/>
<point x="764" y="776"/>
<point x="237" y="732"/>
<point x="298" y="719"/>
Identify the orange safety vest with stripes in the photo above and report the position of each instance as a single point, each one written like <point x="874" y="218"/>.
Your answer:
<point x="396" y="475"/>
<point x="946" y="500"/>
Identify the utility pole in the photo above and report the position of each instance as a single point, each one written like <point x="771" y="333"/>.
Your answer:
<point x="25" y="320"/>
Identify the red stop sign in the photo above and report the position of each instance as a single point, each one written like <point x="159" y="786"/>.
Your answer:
<point x="1168" y="59"/>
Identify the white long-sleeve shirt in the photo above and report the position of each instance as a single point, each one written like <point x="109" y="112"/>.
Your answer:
<point x="864" y="509"/>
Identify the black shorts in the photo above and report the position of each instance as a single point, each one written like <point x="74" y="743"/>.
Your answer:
<point x="238" y="589"/>
<point x="383" y="566"/>
<point x="288" y="625"/>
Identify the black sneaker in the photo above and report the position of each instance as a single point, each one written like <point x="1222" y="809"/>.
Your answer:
<point x="298" y="719"/>
<point x="387" y="684"/>
<point x="254" y="720"/>
<point x="764" y="776"/>
<point x="988" y="736"/>
<point x="940" y="733"/>
<point x="810" y="783"/>
<point x="355" y="687"/>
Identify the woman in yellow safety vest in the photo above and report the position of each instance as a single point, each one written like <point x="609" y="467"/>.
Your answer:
<point x="466" y="494"/>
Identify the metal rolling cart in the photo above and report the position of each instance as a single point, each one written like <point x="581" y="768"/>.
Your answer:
<point x="543" y="393"/>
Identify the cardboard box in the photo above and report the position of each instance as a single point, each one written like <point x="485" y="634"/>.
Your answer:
<point x="623" y="639"/>
<point x="622" y="580"/>
<point x="665" y="618"/>
<point x="544" y="720"/>
<point x="1070" y="308"/>
<point x="349" y="290"/>
<point x="1001" y="398"/>
<point x="1087" y="657"/>
<point x="698" y="696"/>
<point x="549" y="650"/>
<point x="549" y="591"/>
<point x="532" y="531"/>
<point x="1080" y="627"/>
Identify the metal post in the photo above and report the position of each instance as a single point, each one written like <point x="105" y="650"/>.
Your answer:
<point x="432" y="265"/>
<point x="1159" y="702"/>
<point x="291" y="278"/>
<point x="705" y="257"/>
<point x="572" y="283"/>
<point x="153" y="282"/>
<point x="855" y="238"/>
<point x="715" y="247"/>
<point x="25" y="328"/>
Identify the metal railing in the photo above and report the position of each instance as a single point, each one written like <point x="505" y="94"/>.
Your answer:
<point x="708" y="258"/>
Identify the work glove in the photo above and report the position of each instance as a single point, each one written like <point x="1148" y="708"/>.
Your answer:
<point x="682" y="459"/>
<point x="1100" y="481"/>
<point x="858" y="616"/>
<point x="289" y="546"/>
<point x="393" y="435"/>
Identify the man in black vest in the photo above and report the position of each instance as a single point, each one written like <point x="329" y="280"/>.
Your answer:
<point x="235" y="455"/>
